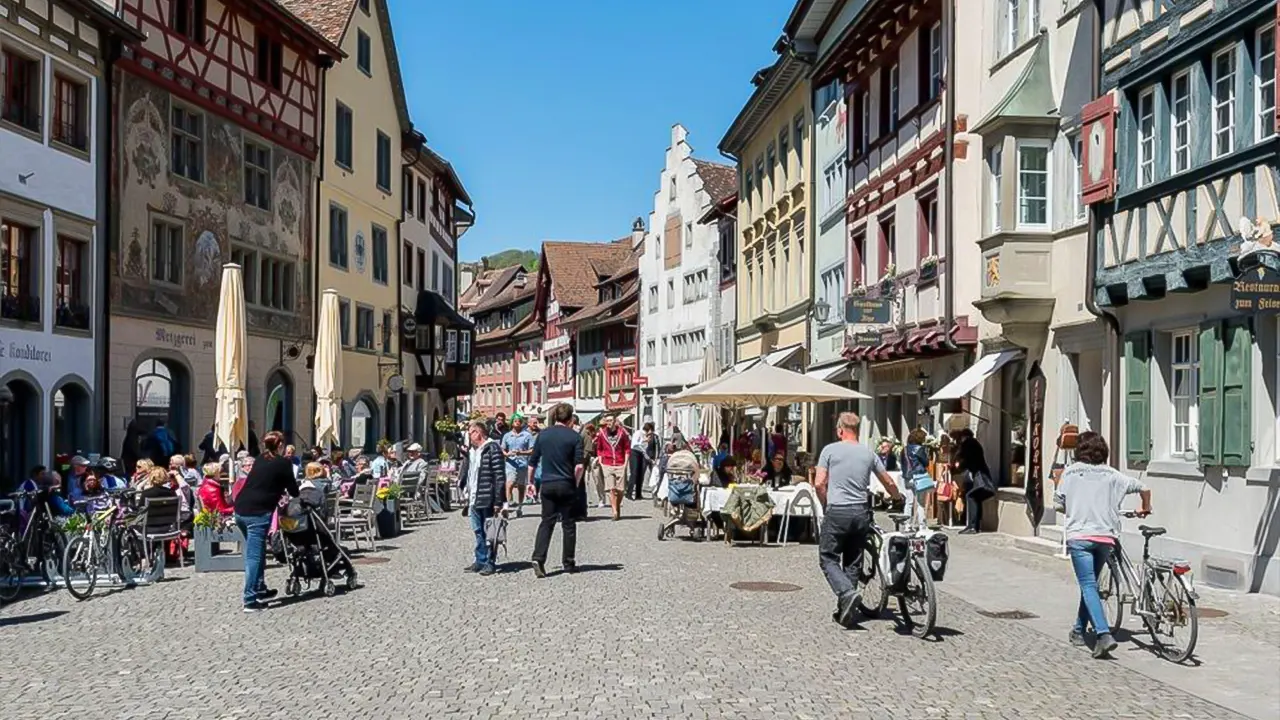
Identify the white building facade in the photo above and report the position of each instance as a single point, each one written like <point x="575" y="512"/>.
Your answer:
<point x="53" y="184"/>
<point x="682" y="309"/>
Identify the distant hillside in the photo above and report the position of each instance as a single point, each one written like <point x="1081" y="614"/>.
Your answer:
<point x="510" y="258"/>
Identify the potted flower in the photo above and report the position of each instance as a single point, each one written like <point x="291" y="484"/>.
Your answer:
<point x="386" y="509"/>
<point x="210" y="530"/>
<point x="886" y="280"/>
<point x="928" y="268"/>
<point x="701" y="446"/>
<point x="858" y="291"/>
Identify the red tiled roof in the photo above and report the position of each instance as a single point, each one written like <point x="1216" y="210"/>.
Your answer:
<point x="328" y="17"/>
<point x="577" y="267"/>
<point x="504" y="333"/>
<point x="718" y="180"/>
<point x="510" y="295"/>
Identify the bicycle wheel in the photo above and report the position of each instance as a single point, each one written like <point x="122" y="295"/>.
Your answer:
<point x="132" y="562"/>
<point x="80" y="567"/>
<point x="919" y="603"/>
<point x="11" y="571"/>
<point x="1175" y="622"/>
<point x="873" y="596"/>
<point x="52" y="551"/>
<point x="1109" y="591"/>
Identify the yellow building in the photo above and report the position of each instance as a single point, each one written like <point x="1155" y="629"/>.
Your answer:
<point x="359" y="211"/>
<point x="770" y="140"/>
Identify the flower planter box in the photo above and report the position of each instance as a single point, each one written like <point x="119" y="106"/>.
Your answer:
<point x="386" y="514"/>
<point x="928" y="273"/>
<point x="223" y="561"/>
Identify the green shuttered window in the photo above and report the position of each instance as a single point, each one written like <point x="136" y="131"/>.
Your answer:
<point x="1226" y="430"/>
<point x="1137" y="405"/>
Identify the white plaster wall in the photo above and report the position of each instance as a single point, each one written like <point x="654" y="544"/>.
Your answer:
<point x="691" y="202"/>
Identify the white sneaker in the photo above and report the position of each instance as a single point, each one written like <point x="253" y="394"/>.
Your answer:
<point x="601" y="505"/>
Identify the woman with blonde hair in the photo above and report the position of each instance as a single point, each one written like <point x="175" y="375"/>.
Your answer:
<point x="141" y="471"/>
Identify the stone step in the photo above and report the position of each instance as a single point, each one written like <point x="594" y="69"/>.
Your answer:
<point x="1052" y="532"/>
<point x="1038" y="545"/>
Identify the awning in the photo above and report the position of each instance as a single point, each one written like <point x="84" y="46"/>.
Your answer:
<point x="832" y="373"/>
<point x="975" y="375"/>
<point x="777" y="358"/>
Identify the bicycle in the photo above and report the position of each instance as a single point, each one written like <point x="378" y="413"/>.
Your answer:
<point x="39" y="547"/>
<point x="111" y="540"/>
<point x="1165" y="600"/>
<point x="917" y="597"/>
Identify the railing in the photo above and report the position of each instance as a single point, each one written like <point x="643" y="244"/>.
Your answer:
<point x="72" y="315"/>
<point x="20" y="307"/>
<point x="21" y="114"/>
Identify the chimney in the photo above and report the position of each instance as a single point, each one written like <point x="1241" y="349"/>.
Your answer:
<point x="637" y="233"/>
<point x="484" y="263"/>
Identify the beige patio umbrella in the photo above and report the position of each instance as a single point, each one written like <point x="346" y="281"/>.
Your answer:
<point x="231" y="422"/>
<point x="328" y="372"/>
<point x="764" y="385"/>
<point x="710" y="419"/>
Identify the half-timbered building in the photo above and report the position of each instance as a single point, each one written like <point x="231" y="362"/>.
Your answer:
<point x="55" y="58"/>
<point x="216" y="133"/>
<point x="1182" y="167"/>
<point x="905" y="300"/>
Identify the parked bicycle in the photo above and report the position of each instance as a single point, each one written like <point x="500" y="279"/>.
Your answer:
<point x="1158" y="590"/>
<point x="914" y="587"/>
<point x="111" y="541"/>
<point x="39" y="547"/>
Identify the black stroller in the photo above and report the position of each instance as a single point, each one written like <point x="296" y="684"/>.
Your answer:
<point x="310" y="550"/>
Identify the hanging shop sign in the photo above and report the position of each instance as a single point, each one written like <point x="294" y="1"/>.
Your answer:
<point x="1256" y="289"/>
<point x="1035" y="439"/>
<point x="866" y="311"/>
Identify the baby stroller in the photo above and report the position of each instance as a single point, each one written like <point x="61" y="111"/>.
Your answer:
<point x="310" y="550"/>
<point x="682" y="499"/>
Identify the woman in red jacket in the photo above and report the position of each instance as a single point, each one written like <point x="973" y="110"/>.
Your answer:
<point x="212" y="497"/>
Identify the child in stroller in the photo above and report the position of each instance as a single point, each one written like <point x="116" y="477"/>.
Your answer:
<point x="682" y="494"/>
<point x="310" y="549"/>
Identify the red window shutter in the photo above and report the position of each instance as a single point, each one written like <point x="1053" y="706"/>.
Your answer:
<point x="882" y="257"/>
<point x="1098" y="120"/>
<point x="856" y="258"/>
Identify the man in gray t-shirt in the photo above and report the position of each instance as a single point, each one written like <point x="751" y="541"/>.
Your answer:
<point x="843" y="482"/>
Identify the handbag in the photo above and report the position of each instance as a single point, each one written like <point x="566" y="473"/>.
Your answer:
<point x="946" y="491"/>
<point x="1068" y="436"/>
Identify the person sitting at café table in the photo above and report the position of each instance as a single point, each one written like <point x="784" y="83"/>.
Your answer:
<point x="157" y="484"/>
<point x="778" y="473"/>
<point x="212" y="496"/>
<point x="726" y="473"/>
<point x="416" y="463"/>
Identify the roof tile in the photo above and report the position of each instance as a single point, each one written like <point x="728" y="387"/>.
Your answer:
<point x="328" y="17"/>
<point x="720" y="181"/>
<point x="577" y="267"/>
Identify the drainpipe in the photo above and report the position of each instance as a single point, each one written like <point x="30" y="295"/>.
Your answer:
<point x="949" y="161"/>
<point x="399" y="280"/>
<point x="105" y="159"/>
<point x="1091" y="246"/>
<point x="325" y="63"/>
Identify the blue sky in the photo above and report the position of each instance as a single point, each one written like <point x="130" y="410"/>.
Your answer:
<point x="556" y="113"/>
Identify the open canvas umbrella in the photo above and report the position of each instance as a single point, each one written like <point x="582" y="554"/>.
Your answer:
<point x="764" y="385"/>
<point x="231" y="422"/>
<point x="328" y="372"/>
<point x="710" y="419"/>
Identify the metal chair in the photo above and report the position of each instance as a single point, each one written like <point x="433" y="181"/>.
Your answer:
<point x="164" y="523"/>
<point x="356" y="515"/>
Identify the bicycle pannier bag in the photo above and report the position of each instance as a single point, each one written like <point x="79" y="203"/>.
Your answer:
<point x="1068" y="436"/>
<point x="936" y="554"/>
<point x="894" y="563"/>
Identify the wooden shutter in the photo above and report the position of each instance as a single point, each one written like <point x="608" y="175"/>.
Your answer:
<point x="1237" y="389"/>
<point x="1210" y="394"/>
<point x="1101" y="112"/>
<point x="1137" y="405"/>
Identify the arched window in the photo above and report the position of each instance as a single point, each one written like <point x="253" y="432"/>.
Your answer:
<point x="71" y="411"/>
<point x="280" y="404"/>
<point x="163" y="394"/>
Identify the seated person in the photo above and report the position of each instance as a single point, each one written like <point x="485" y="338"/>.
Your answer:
<point x="312" y="488"/>
<point x="777" y="473"/>
<point x="47" y="485"/>
<point x="108" y="471"/>
<point x="94" y="494"/>
<point x="722" y="452"/>
<point x="157" y="484"/>
<point x="726" y="473"/>
<point x="212" y="496"/>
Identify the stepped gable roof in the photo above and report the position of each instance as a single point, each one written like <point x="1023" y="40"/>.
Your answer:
<point x="718" y="180"/>
<point x="576" y="268"/>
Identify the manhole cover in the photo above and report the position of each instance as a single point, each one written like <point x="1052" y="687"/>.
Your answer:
<point x="1008" y="614"/>
<point x="756" y="586"/>
<point x="370" y="560"/>
<point x="1208" y="613"/>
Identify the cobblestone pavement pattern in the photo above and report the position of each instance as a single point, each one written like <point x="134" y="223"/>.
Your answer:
<point x="650" y="630"/>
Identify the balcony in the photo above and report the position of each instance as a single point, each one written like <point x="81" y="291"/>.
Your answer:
<point x="1017" y="285"/>
<point x="72" y="316"/>
<point x="20" y="307"/>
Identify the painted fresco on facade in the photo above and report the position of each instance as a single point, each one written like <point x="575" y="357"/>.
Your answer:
<point x="213" y="216"/>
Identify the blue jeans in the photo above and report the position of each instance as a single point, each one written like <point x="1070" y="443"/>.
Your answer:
<point x="478" y="516"/>
<point x="1087" y="558"/>
<point x="255" y="529"/>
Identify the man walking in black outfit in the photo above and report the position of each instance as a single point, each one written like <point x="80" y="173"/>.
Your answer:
<point x="559" y="449"/>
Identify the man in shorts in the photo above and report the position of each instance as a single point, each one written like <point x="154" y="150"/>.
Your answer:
<point x="613" y="449"/>
<point x="843" y="482"/>
<point x="517" y="446"/>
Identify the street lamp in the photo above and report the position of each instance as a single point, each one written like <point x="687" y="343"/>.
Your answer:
<point x="922" y="382"/>
<point x="821" y="310"/>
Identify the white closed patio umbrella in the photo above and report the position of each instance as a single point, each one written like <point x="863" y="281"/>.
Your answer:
<point x="231" y="422"/>
<point x="710" y="419"/>
<point x="327" y="372"/>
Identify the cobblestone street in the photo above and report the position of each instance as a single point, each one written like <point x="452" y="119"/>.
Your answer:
<point x="647" y="630"/>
